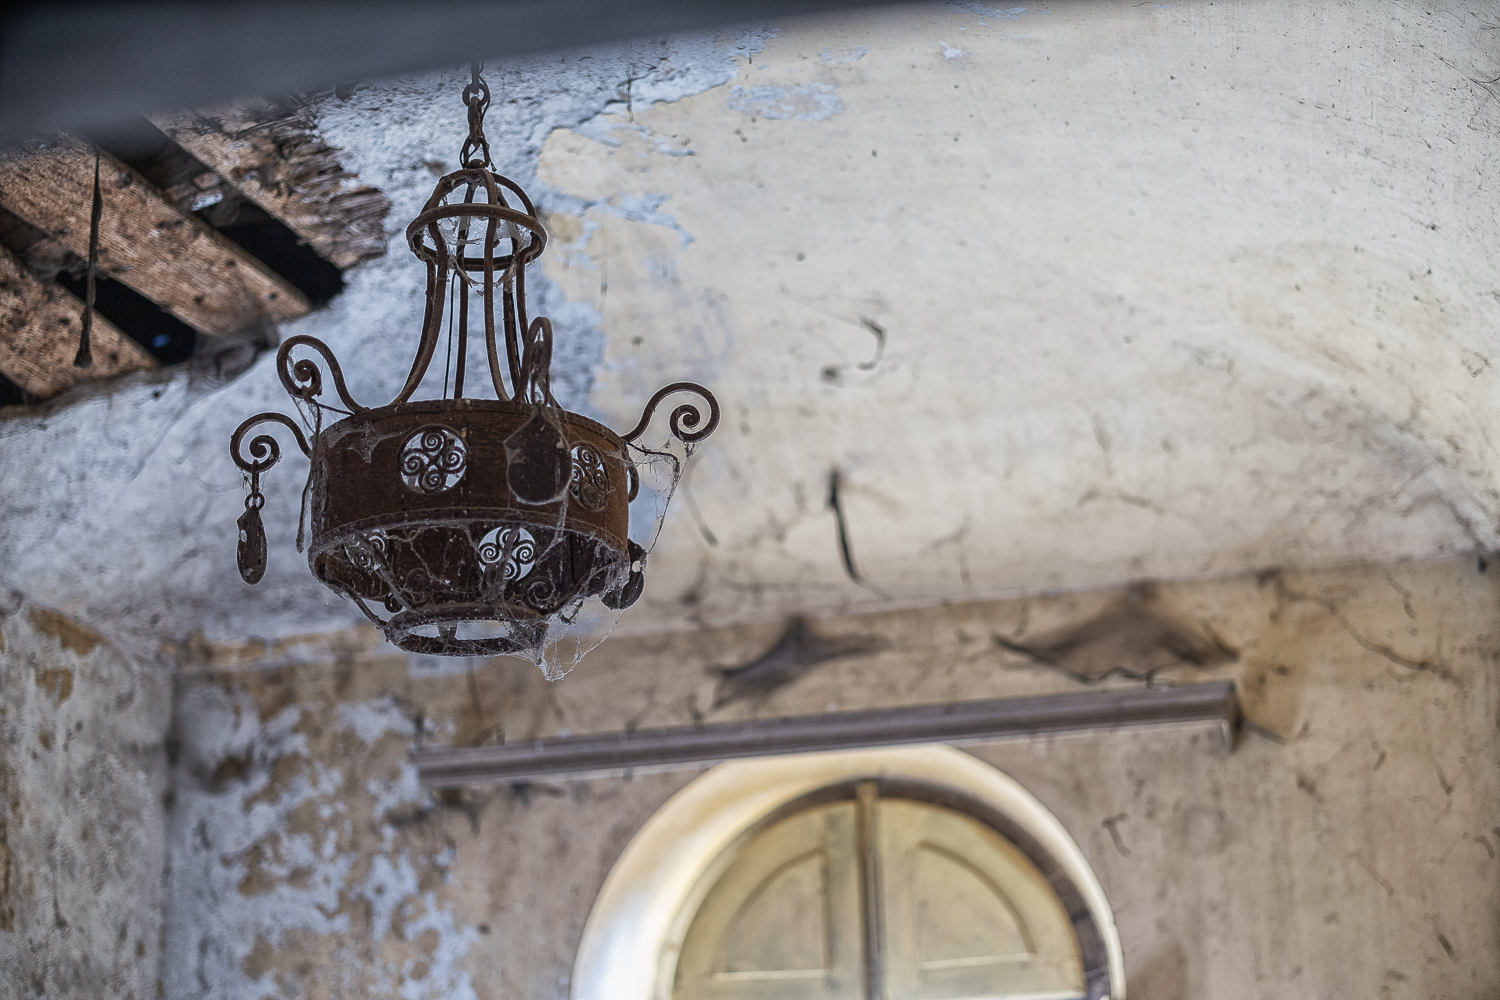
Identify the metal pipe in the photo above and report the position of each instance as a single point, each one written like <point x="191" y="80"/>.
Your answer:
<point x="955" y="722"/>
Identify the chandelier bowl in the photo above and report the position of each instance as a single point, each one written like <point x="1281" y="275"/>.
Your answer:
<point x="413" y="507"/>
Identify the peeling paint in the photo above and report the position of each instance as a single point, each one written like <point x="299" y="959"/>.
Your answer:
<point x="1287" y="359"/>
<point x="845" y="56"/>
<point x="805" y="102"/>
<point x="372" y="720"/>
<point x="364" y="885"/>
<point x="83" y="772"/>
<point x="57" y="682"/>
<point x="1006" y="14"/>
<point x="314" y="837"/>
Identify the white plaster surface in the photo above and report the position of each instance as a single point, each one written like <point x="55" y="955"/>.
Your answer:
<point x="1168" y="290"/>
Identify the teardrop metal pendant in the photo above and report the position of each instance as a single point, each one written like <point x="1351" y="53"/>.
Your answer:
<point x="630" y="589"/>
<point x="538" y="467"/>
<point x="252" y="547"/>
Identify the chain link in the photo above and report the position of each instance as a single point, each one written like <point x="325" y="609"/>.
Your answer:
<point x="477" y="98"/>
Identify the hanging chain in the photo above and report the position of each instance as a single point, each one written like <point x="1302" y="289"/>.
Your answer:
<point x="477" y="98"/>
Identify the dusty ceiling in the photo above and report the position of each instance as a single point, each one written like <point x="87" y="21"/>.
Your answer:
<point x="1061" y="297"/>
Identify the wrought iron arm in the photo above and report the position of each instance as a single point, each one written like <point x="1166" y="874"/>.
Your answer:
<point x="536" y="364"/>
<point x="302" y="378"/>
<point x="264" y="452"/>
<point x="684" y="418"/>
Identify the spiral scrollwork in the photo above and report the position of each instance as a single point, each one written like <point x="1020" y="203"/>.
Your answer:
<point x="303" y="380"/>
<point x="685" y="418"/>
<point x="263" y="451"/>
<point x="432" y="460"/>
<point x="367" y="553"/>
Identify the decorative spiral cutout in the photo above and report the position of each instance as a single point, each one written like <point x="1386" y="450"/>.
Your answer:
<point x="511" y="548"/>
<point x="589" y="484"/>
<point x="433" y="460"/>
<point x="684" y="418"/>
<point x="365" y="557"/>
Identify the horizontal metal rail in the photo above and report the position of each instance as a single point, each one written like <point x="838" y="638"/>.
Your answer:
<point x="955" y="722"/>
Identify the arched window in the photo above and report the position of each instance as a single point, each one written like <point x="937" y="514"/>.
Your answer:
<point x="872" y="896"/>
<point x="917" y="873"/>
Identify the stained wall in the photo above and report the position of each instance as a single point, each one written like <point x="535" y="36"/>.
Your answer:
<point x="1346" y="847"/>
<point x="84" y="797"/>
<point x="1067" y="296"/>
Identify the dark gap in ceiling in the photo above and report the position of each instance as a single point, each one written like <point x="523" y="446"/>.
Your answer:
<point x="165" y="337"/>
<point x="13" y="395"/>
<point x="265" y="238"/>
<point x="196" y="188"/>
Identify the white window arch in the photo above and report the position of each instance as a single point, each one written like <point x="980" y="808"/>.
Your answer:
<point x="649" y="903"/>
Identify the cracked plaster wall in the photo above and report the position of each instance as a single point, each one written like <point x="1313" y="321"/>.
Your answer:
<point x="1068" y="295"/>
<point x="1347" y="847"/>
<point x="83" y="772"/>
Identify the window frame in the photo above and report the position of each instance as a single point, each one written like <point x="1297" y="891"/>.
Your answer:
<point x="629" y="946"/>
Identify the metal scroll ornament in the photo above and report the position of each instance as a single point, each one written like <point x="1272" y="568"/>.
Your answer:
<point x="465" y="526"/>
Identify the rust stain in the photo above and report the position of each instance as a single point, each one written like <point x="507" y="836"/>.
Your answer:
<point x="231" y="768"/>
<point x="261" y="959"/>
<point x="11" y="815"/>
<point x="56" y="681"/>
<point x="7" y="882"/>
<point x="71" y="635"/>
<point x="283" y="772"/>
<point x="257" y="883"/>
<point x="259" y="880"/>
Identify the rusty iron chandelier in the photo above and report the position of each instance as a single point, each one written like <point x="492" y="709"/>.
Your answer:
<point x="468" y="526"/>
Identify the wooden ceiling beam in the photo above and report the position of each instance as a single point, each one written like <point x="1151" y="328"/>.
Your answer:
<point x="170" y="257"/>
<point x="39" y="327"/>
<point x="272" y="156"/>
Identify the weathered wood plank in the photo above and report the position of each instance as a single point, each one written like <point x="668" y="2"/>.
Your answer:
<point x="271" y="154"/>
<point x="39" y="325"/>
<point x="171" y="258"/>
